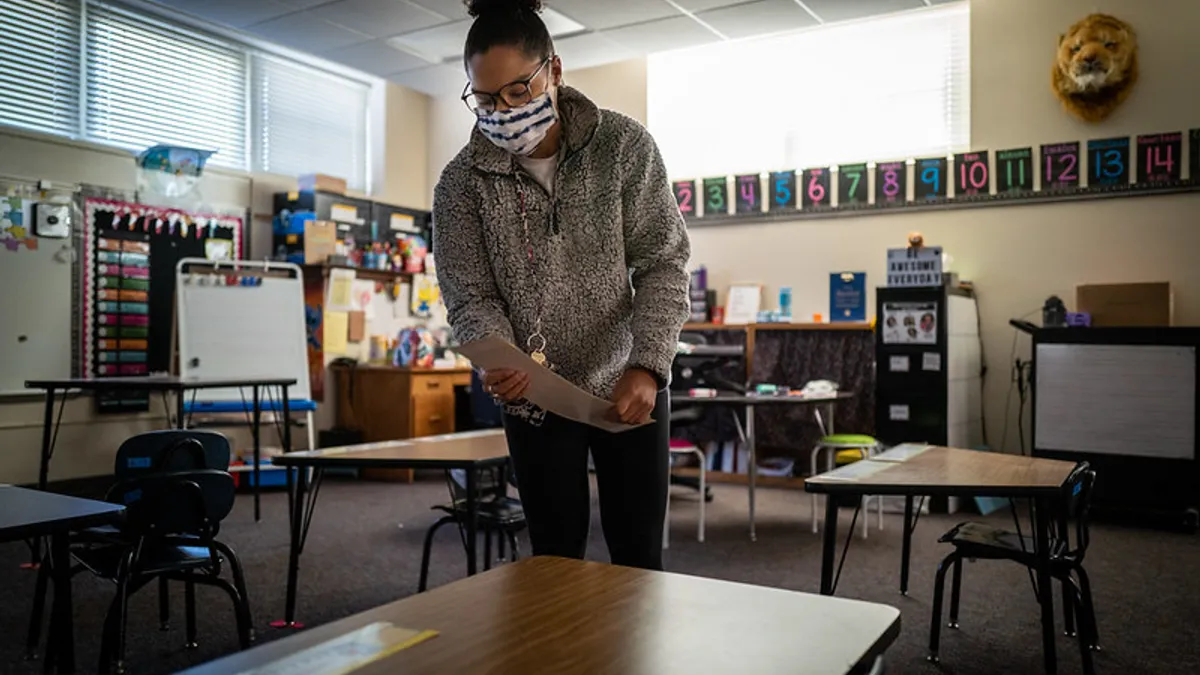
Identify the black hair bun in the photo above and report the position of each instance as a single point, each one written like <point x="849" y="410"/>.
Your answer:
<point x="477" y="8"/>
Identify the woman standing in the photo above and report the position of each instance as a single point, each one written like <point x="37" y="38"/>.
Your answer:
<point x="555" y="229"/>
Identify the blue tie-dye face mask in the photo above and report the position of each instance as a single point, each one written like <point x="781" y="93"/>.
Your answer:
<point x="520" y="130"/>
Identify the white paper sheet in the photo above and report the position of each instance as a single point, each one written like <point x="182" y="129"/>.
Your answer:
<point x="547" y="389"/>
<point x="857" y="470"/>
<point x="901" y="452"/>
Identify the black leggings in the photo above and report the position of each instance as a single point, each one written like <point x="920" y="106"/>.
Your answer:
<point x="631" y="475"/>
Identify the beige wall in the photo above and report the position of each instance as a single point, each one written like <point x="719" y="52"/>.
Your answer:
<point x="87" y="441"/>
<point x="1017" y="255"/>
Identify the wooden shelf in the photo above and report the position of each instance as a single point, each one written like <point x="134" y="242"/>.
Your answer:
<point x="385" y="276"/>
<point x="726" y="478"/>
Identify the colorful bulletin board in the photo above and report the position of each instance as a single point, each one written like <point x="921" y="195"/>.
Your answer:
<point x="1097" y="168"/>
<point x="129" y="287"/>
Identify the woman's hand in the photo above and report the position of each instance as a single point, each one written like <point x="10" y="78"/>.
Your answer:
<point x="506" y="384"/>
<point x="633" y="398"/>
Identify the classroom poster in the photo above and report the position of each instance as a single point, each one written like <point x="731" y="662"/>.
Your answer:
<point x="848" y="296"/>
<point x="909" y="323"/>
<point x="314" y="301"/>
<point x="16" y="230"/>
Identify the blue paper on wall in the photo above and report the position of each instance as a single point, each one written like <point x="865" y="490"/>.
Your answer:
<point x="848" y="296"/>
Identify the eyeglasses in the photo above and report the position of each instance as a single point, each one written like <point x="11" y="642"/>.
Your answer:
<point x="514" y="94"/>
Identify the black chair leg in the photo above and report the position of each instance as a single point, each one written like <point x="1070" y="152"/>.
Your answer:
<point x="239" y="584"/>
<point x="1088" y="613"/>
<point x="1068" y="608"/>
<point x="241" y="608"/>
<point x="939" y="588"/>
<point x="164" y="605"/>
<point x="37" y="615"/>
<point x="190" y="609"/>
<point x="955" y="589"/>
<point x="1075" y="596"/>
<point x="501" y="542"/>
<point x="428" y="548"/>
<point x="112" y="641"/>
<point x="487" y="549"/>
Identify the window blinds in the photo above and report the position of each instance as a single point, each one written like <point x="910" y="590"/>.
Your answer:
<point x="39" y="81"/>
<point x="151" y="83"/>
<point x="892" y="87"/>
<point x="309" y="122"/>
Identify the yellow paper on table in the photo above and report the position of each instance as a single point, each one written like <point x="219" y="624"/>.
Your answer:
<point x="337" y="328"/>
<point x="347" y="653"/>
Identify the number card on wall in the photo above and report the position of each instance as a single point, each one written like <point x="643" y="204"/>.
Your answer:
<point x="1108" y="162"/>
<point x="852" y="184"/>
<point x="930" y="181"/>
<point x="1014" y="170"/>
<point x="1060" y="166"/>
<point x="783" y="190"/>
<point x="1194" y="146"/>
<point x="816" y="188"/>
<point x="971" y="174"/>
<point x="749" y="193"/>
<point x="1159" y="158"/>
<point x="685" y="196"/>
<point x="716" y="196"/>
<point x="891" y="183"/>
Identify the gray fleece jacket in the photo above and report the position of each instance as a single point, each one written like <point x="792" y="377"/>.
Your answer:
<point x="609" y="249"/>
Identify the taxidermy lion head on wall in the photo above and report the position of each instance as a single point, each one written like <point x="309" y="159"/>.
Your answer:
<point x="1096" y="66"/>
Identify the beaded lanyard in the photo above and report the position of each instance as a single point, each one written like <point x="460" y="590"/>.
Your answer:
<point x="537" y="341"/>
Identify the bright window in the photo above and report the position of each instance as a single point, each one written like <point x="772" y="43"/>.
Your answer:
<point x="308" y="121"/>
<point x="39" y="81"/>
<point x="892" y="87"/>
<point x="150" y="83"/>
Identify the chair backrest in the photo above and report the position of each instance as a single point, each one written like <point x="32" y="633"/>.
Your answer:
<point x="1077" y="506"/>
<point x="190" y="502"/>
<point x="171" y="450"/>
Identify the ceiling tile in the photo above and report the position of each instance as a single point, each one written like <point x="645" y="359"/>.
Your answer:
<point x="304" y="4"/>
<point x="703" y="5"/>
<point x="602" y="14"/>
<point x="306" y="32"/>
<point x="840" y="10"/>
<point x="451" y="9"/>
<point x="381" y="18"/>
<point x="235" y="13"/>
<point x="437" y="43"/>
<point x="661" y="35"/>
<point x="592" y="49"/>
<point x="438" y="80"/>
<point x="757" y="18"/>
<point x="376" y="57"/>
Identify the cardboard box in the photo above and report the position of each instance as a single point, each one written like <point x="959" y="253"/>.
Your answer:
<point x="319" y="181"/>
<point x="1144" y="304"/>
<point x="320" y="241"/>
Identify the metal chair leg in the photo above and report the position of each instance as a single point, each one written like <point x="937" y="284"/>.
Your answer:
<point x="428" y="547"/>
<point x="516" y="550"/>
<point x="164" y="605"/>
<point x="1075" y="596"/>
<point x="239" y="581"/>
<point x="1089" y="608"/>
<point x="955" y="589"/>
<point x="487" y="549"/>
<point x="1068" y="607"/>
<point x="38" y="612"/>
<point x="189" y="598"/>
<point x="812" y="471"/>
<point x="935" y="625"/>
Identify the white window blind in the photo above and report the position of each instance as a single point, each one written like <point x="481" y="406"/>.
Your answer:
<point x="151" y="83"/>
<point x="309" y="122"/>
<point x="39" y="78"/>
<point x="893" y="87"/>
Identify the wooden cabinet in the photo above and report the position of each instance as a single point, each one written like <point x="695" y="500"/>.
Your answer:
<point x="387" y="404"/>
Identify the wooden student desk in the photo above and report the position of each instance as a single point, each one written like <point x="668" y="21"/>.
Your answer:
<point x="951" y="472"/>
<point x="29" y="514"/>
<point x="552" y="615"/>
<point x="471" y="451"/>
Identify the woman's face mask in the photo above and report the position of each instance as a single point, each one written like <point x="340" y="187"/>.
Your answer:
<point x="520" y="130"/>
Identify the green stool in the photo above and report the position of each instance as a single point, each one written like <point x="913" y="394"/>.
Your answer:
<point x="836" y="447"/>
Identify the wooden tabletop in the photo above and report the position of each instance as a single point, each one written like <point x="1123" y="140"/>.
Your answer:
<point x="551" y="615"/>
<point x="749" y="399"/>
<point x="954" y="472"/>
<point x="158" y="382"/>
<point x="34" y="513"/>
<point x="449" y="451"/>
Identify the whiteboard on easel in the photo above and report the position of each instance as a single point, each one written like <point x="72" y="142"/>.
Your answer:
<point x="230" y="328"/>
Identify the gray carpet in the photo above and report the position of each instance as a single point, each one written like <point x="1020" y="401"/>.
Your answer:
<point x="365" y="550"/>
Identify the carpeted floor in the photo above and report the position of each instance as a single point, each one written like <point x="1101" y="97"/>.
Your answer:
<point x="365" y="550"/>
